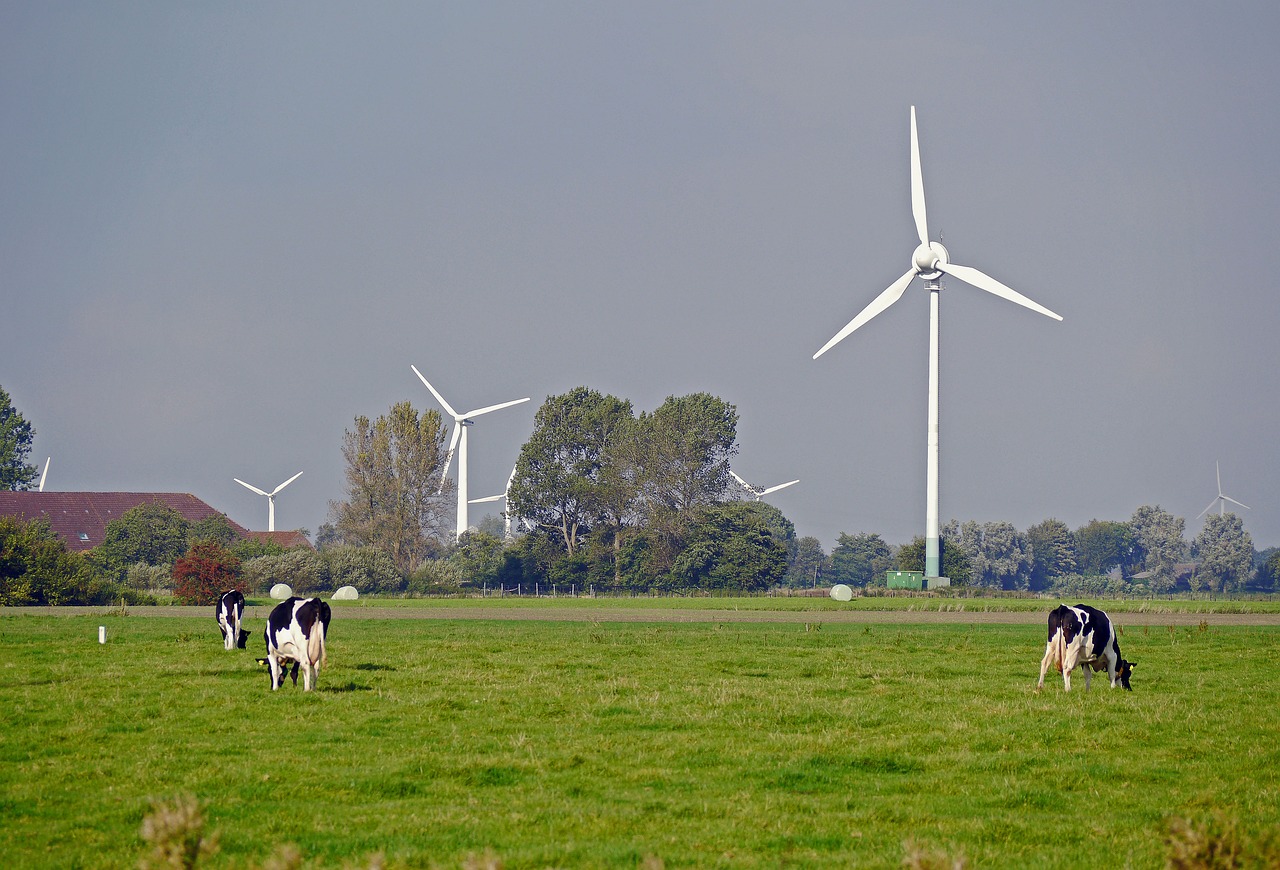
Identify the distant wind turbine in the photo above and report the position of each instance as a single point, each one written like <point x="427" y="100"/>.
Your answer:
<point x="459" y="442"/>
<point x="930" y="261"/>
<point x="502" y="496"/>
<point x="271" y="498"/>
<point x="758" y="492"/>
<point x="44" y="474"/>
<point x="1222" y="499"/>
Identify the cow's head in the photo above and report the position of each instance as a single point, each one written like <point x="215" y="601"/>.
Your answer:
<point x="1124" y="670"/>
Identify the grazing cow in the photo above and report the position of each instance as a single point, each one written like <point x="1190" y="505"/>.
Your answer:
<point x="1083" y="636"/>
<point x="229" y="612"/>
<point x="295" y="633"/>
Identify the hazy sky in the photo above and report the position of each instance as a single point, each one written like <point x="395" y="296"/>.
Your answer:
<point x="227" y="229"/>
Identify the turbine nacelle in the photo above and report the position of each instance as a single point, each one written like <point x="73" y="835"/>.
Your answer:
<point x="926" y="259"/>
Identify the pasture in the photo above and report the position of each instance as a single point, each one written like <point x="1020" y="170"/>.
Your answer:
<point x="530" y="743"/>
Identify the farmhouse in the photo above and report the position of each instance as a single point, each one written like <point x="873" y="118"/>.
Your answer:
<point x="80" y="518"/>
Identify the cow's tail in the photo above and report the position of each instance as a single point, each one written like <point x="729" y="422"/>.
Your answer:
<point x="315" y="645"/>
<point x="1062" y="651"/>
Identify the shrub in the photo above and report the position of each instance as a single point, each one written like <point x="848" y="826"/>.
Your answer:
<point x="302" y="569"/>
<point x="36" y="568"/>
<point x="366" y="568"/>
<point x="435" y="577"/>
<point x="207" y="571"/>
<point x="146" y="577"/>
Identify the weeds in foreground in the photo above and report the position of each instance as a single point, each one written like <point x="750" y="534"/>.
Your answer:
<point x="176" y="835"/>
<point x="920" y="857"/>
<point x="1218" y="844"/>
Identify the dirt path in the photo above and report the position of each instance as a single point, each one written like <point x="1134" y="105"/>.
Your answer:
<point x="607" y="614"/>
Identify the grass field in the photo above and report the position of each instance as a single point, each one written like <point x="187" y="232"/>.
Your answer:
<point x="605" y="744"/>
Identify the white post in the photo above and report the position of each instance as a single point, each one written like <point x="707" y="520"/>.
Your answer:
<point x="102" y="634"/>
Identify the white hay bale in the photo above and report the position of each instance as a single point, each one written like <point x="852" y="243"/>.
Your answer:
<point x="345" y="593"/>
<point x="841" y="592"/>
<point x="281" y="591"/>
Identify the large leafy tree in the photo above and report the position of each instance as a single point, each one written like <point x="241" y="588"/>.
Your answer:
<point x="1102" y="545"/>
<point x="955" y="562"/>
<point x="688" y="442"/>
<point x="807" y="563"/>
<point x="395" y="498"/>
<point x="730" y="546"/>
<point x="1053" y="552"/>
<point x="1158" y="544"/>
<point x="997" y="553"/>
<point x="860" y="560"/>
<point x="153" y="533"/>
<point x="206" y="571"/>
<point x="573" y="470"/>
<point x="16" y="435"/>
<point x="1225" y="551"/>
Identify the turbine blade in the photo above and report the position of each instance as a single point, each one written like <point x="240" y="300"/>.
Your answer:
<point x="917" y="185"/>
<point x="486" y="498"/>
<point x="886" y="298"/>
<point x="1209" y="508"/>
<point x="478" y="411"/>
<point x="1233" y="501"/>
<point x="745" y="485"/>
<point x="779" y="486"/>
<point x="286" y="483"/>
<point x="982" y="281"/>
<point x="250" y="486"/>
<point x="439" y="398"/>
<point x="453" y="444"/>
<point x="1218" y="471"/>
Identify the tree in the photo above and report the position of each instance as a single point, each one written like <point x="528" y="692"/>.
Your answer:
<point x="688" y="442"/>
<point x="730" y="546"/>
<point x="1052" y="552"/>
<point x="1102" y="545"/>
<point x="1225" y="551"/>
<point x="36" y="568"/>
<point x="561" y="482"/>
<point x="955" y="564"/>
<point x="16" y="435"/>
<point x="1268" y="572"/>
<point x="395" y="498"/>
<point x="478" y="557"/>
<point x="153" y="533"/>
<point x="204" y="573"/>
<point x="216" y="528"/>
<point x="996" y="553"/>
<point x="807" y="564"/>
<point x="1158" y="545"/>
<point x="860" y="560"/>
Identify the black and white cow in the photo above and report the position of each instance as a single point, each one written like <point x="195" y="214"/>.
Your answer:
<point x="295" y="633"/>
<point x="229" y="612"/>
<point x="1083" y="636"/>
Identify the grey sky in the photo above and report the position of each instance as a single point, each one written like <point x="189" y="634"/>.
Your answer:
<point x="228" y="229"/>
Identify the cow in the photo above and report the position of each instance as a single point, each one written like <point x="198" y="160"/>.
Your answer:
<point x="229" y="612"/>
<point x="1083" y="636"/>
<point x="295" y="633"/>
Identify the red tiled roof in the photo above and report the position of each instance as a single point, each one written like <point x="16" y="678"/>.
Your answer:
<point x="80" y="518"/>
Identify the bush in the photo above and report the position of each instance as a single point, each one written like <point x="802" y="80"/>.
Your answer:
<point x="36" y="568"/>
<point x="1090" y="585"/>
<point x="301" y="569"/>
<point x="436" y="577"/>
<point x="366" y="568"/>
<point x="147" y="578"/>
<point x="207" y="571"/>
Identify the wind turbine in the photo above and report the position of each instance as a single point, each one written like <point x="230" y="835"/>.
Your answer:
<point x="1222" y="498"/>
<point x="757" y="491"/>
<point x="459" y="442"/>
<point x="930" y="261"/>
<point x="501" y="496"/>
<point x="271" y="498"/>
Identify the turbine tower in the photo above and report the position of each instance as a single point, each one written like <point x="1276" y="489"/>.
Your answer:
<point x="930" y="261"/>
<point x="758" y="492"/>
<point x="458" y="442"/>
<point x="271" y="498"/>
<point x="1222" y="499"/>
<point x="502" y="496"/>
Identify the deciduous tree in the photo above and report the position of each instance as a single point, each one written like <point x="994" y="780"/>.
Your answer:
<point x="16" y="435"/>
<point x="1053" y="552"/>
<point x="395" y="499"/>
<point x="153" y="533"/>
<point x="1158" y="545"/>
<point x="1225" y="551"/>
<point x="860" y="560"/>
<point x="1102" y="545"/>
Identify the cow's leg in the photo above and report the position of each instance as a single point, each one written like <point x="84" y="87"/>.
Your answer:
<point x="1045" y="663"/>
<point x="277" y="675"/>
<point x="308" y="675"/>
<point x="1088" y="676"/>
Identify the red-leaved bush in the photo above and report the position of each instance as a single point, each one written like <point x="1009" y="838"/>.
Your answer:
<point x="204" y="573"/>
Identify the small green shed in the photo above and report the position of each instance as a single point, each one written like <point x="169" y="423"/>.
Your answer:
<point x="904" y="580"/>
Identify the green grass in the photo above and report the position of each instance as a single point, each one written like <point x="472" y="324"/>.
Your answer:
<point x="581" y="744"/>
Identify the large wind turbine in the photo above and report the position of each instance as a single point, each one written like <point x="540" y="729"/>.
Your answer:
<point x="760" y="492"/>
<point x="930" y="261"/>
<point x="459" y="442"/>
<point x="502" y="496"/>
<point x="1222" y="499"/>
<point x="271" y="498"/>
